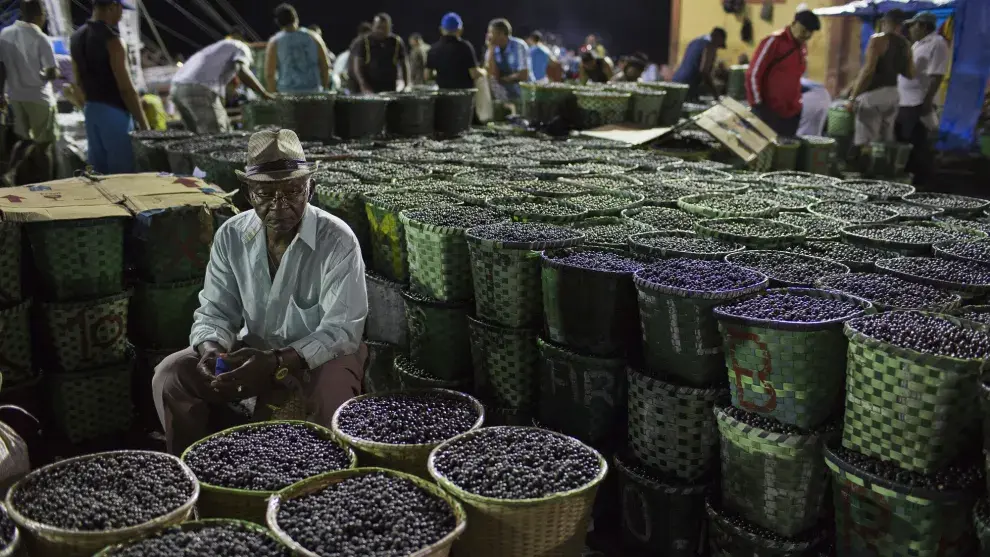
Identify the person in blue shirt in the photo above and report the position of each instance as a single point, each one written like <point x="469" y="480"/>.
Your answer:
<point x="696" y="67"/>
<point x="507" y="58"/>
<point x="539" y="56"/>
<point x="297" y="60"/>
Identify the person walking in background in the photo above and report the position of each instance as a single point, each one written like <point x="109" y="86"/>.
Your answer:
<point x="594" y="69"/>
<point x="452" y="60"/>
<point x="874" y="94"/>
<point x="540" y="56"/>
<point x="507" y="59"/>
<point x="297" y="60"/>
<point x="698" y="63"/>
<point x="917" y="116"/>
<point x="773" y="81"/>
<point x="113" y="108"/>
<point x="418" y="52"/>
<point x="378" y="57"/>
<point x="199" y="87"/>
<point x="341" y="68"/>
<point x="27" y="69"/>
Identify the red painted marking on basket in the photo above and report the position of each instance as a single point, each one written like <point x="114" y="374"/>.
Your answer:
<point x="187" y="182"/>
<point x="737" y="337"/>
<point x="189" y="246"/>
<point x="870" y="536"/>
<point x="90" y="331"/>
<point x="13" y="198"/>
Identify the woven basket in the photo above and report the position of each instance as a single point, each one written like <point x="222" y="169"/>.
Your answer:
<point x="600" y="108"/>
<point x="876" y="517"/>
<point x="319" y="483"/>
<point x="580" y="396"/>
<point x="379" y="373"/>
<point x="542" y="103"/>
<point x="439" y="260"/>
<point x="680" y="334"/>
<point x="410" y="114"/>
<point x="412" y="376"/>
<point x="661" y="517"/>
<point x="193" y="526"/>
<point x="46" y="541"/>
<point x="853" y="235"/>
<point x="505" y="205"/>
<point x="730" y="540"/>
<point x="604" y="324"/>
<point x="410" y="459"/>
<point x="161" y="315"/>
<point x="454" y="112"/>
<point x="172" y="245"/>
<point x="875" y="194"/>
<point x="645" y="107"/>
<point x="506" y="365"/>
<point x="92" y="404"/>
<point x="841" y="121"/>
<point x="785" y="154"/>
<point x="386" y="320"/>
<point x="258" y="114"/>
<point x="673" y="102"/>
<point x="507" y="280"/>
<point x="310" y="116"/>
<point x="244" y="504"/>
<point x="13" y="548"/>
<point x="968" y="291"/>
<point x="438" y="336"/>
<point x="795" y="236"/>
<point x="83" y="335"/>
<point x="359" y="117"/>
<point x="776" y="481"/>
<point x="389" y="251"/>
<point x="791" y="371"/>
<point x="976" y="208"/>
<point x="10" y="263"/>
<point x="15" y="345"/>
<point x="672" y="428"/>
<point x="917" y="410"/>
<point x="347" y="203"/>
<point x="817" y="154"/>
<point x="638" y="245"/>
<point x="553" y="526"/>
<point x="78" y="259"/>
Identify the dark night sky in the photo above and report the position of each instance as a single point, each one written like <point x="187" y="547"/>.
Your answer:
<point x="625" y="25"/>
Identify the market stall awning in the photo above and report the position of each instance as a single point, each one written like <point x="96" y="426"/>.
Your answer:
<point x="869" y="8"/>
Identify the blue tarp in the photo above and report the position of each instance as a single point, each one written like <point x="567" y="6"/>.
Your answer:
<point x="870" y="8"/>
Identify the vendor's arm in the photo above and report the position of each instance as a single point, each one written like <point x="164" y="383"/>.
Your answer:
<point x="220" y="315"/>
<point x="706" y="69"/>
<point x="248" y="78"/>
<point x="271" y="65"/>
<point x="122" y="75"/>
<point x="323" y="60"/>
<point x="358" y="53"/>
<point x="523" y="67"/>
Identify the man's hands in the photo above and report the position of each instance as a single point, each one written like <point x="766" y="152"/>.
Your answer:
<point x="252" y="373"/>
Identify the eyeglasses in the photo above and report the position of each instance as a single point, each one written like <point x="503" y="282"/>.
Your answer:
<point x="268" y="195"/>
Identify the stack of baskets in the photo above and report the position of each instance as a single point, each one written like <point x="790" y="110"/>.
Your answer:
<point x="16" y="369"/>
<point x="149" y="148"/>
<point x="82" y="307"/>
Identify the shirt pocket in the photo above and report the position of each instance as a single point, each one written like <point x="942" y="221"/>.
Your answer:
<point x="299" y="322"/>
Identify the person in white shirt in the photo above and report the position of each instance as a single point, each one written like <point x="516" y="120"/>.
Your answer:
<point x="917" y="117"/>
<point x="199" y="86"/>
<point x="816" y="102"/>
<point x="27" y="68"/>
<point x="283" y="305"/>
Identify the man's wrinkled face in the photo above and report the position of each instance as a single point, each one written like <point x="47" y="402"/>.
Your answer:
<point x="280" y="205"/>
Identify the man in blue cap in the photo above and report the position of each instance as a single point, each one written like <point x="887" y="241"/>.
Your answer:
<point x="113" y="107"/>
<point x="452" y="60"/>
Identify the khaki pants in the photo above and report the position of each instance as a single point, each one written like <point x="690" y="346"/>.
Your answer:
<point x="876" y="116"/>
<point x="185" y="403"/>
<point x="201" y="109"/>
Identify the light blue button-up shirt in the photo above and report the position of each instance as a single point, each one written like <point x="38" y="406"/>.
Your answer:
<point x="316" y="304"/>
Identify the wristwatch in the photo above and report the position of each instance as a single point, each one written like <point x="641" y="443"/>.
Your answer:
<point x="281" y="372"/>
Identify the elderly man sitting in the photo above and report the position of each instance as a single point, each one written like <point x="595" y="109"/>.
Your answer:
<point x="283" y="306"/>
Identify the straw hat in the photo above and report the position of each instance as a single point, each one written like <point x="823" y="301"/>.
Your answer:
<point x="276" y="156"/>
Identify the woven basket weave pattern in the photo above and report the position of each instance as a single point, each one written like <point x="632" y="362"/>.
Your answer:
<point x="79" y="259"/>
<point x="173" y="245"/>
<point x="10" y="264"/>
<point x="439" y="261"/>
<point x="15" y="345"/>
<point x="91" y="404"/>
<point x="438" y="337"/>
<point x="506" y="365"/>
<point x="507" y="284"/>
<point x="162" y="315"/>
<point x="88" y="334"/>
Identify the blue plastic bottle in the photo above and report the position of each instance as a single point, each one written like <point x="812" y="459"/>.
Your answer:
<point x="221" y="367"/>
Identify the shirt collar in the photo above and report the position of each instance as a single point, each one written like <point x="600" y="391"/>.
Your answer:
<point x="306" y="234"/>
<point x="929" y="37"/>
<point x="22" y="23"/>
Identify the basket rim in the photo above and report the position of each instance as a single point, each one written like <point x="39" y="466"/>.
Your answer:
<point x="62" y="306"/>
<point x="798" y="174"/>
<point x="76" y="223"/>
<point x="675" y="388"/>
<point x="541" y="245"/>
<point x="855" y="335"/>
<point x="548" y="260"/>
<point x="14" y="547"/>
<point x="890" y="219"/>
<point x="165" y="286"/>
<point x="798" y="233"/>
<point x="693" y="204"/>
<point x="713" y="174"/>
<point x="873" y="197"/>
<point x="503" y="205"/>
<point x="642" y="284"/>
<point x="672" y="253"/>
<point x="467" y="496"/>
<point x="939" y="250"/>
<point x="192" y="525"/>
<point x="798" y="326"/>
<point x="532" y="189"/>
<point x="412" y="297"/>
<point x="806" y="438"/>
<point x="568" y="354"/>
<point x="823" y="261"/>
<point x="96" y="535"/>
<point x="982" y="206"/>
<point x="495" y="328"/>
<point x="314" y="484"/>
<point x="623" y="468"/>
<point x="837" y="464"/>
<point x="716" y="513"/>
<point x="822" y="284"/>
<point x="977" y="288"/>
<point x="852" y="232"/>
<point x="21" y="306"/>
<point x="249" y="492"/>
<point x="361" y="443"/>
<point x="403" y="362"/>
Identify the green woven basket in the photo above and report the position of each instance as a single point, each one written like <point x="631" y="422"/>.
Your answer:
<point x="680" y="335"/>
<point x="610" y="240"/>
<point x="42" y="540"/>
<point x="439" y="549"/>
<point x="15" y="345"/>
<point x="193" y="526"/>
<point x="389" y="253"/>
<point x="412" y="376"/>
<point x="91" y="404"/>
<point x="172" y="245"/>
<point x="841" y="121"/>
<point x="553" y="526"/>
<point x="506" y="365"/>
<point x="543" y="102"/>
<point x="10" y="263"/>
<point x="219" y="167"/>
<point x="580" y="396"/>
<point x="646" y="106"/>
<point x="673" y="102"/>
<point x="410" y="459"/>
<point x="14" y="546"/>
<point x="506" y="206"/>
<point x="82" y="335"/>
<point x="817" y="154"/>
<point x="855" y="235"/>
<point x="639" y="245"/>
<point x="774" y="480"/>
<point x="410" y="114"/>
<point x="795" y="234"/>
<point x="346" y="201"/>
<point x="604" y="324"/>
<point x="507" y="279"/>
<point x="360" y="117"/>
<point x="602" y="108"/>
<point x="310" y="116"/>
<point x="661" y="517"/>
<point x="876" y="517"/>
<point x="261" y="113"/>
<point x="386" y="311"/>
<point x="729" y="539"/>
<point x="78" y="259"/>
<point x="917" y="410"/>
<point x="161" y="315"/>
<point x="438" y="336"/>
<point x="980" y="513"/>
<point x="791" y="371"/>
<point x="439" y="260"/>
<point x="379" y="373"/>
<point x="785" y="154"/>
<point x="244" y="504"/>
<point x="672" y="428"/>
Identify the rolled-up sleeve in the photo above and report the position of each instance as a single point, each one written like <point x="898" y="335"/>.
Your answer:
<point x="344" y="301"/>
<point x="220" y="314"/>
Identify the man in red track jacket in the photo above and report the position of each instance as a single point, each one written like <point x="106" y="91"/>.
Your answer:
<point x="773" y="81"/>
